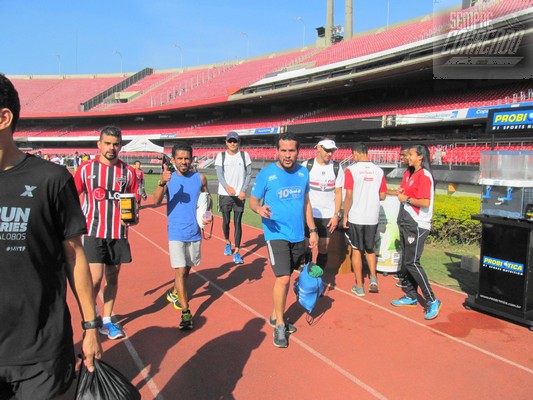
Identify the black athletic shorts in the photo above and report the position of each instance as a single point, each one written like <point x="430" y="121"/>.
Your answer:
<point x="285" y="256"/>
<point x="228" y="203"/>
<point x="322" y="226"/>
<point x="362" y="237"/>
<point x="40" y="381"/>
<point x="107" y="251"/>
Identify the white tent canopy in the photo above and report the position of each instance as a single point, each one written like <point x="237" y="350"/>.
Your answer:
<point x="139" y="144"/>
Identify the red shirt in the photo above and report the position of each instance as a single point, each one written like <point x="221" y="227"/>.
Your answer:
<point x="102" y="185"/>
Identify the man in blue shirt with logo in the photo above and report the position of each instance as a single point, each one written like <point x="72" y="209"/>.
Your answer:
<point x="280" y="195"/>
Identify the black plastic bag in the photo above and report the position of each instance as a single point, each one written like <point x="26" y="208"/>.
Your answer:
<point x="105" y="383"/>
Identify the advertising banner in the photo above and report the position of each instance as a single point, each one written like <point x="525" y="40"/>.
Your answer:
<point x="388" y="243"/>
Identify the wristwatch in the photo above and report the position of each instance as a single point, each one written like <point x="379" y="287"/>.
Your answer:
<point x="95" y="323"/>
<point x="161" y="183"/>
<point x="313" y="230"/>
<point x="339" y="214"/>
<point x="408" y="200"/>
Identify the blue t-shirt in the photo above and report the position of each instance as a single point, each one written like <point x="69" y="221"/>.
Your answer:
<point x="183" y="193"/>
<point x="285" y="193"/>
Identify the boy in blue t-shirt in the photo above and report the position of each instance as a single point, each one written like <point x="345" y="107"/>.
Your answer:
<point x="280" y="195"/>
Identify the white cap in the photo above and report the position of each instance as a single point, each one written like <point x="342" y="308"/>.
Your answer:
<point x="327" y="144"/>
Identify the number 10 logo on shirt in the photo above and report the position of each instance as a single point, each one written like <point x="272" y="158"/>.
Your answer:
<point x="289" y="193"/>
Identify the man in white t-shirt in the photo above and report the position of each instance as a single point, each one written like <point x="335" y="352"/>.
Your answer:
<point x="365" y="187"/>
<point x="234" y="173"/>
<point x="326" y="179"/>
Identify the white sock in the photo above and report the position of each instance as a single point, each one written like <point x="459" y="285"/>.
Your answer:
<point x="106" y="320"/>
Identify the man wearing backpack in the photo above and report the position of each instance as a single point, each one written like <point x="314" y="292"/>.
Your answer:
<point x="326" y="179"/>
<point x="234" y="173"/>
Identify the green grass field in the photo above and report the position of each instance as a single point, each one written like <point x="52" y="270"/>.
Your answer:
<point x="441" y="262"/>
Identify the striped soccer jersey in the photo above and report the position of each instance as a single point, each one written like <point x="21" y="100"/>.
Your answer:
<point x="102" y="185"/>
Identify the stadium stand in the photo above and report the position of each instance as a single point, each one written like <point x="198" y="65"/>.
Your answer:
<point x="205" y="102"/>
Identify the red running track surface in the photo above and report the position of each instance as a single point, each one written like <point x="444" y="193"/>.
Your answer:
<point x="356" y="348"/>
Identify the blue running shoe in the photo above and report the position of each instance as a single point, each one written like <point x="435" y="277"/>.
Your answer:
<point x="405" y="301"/>
<point x="432" y="309"/>
<point x="227" y="249"/>
<point x="113" y="331"/>
<point x="237" y="259"/>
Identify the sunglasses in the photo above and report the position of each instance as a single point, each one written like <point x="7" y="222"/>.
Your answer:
<point x="329" y="150"/>
<point x="232" y="141"/>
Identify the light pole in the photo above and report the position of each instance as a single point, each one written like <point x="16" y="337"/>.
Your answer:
<point x="58" y="61"/>
<point x="302" y="21"/>
<point x="388" y="8"/>
<point x="177" y="46"/>
<point x="120" y="55"/>
<point x="247" y="42"/>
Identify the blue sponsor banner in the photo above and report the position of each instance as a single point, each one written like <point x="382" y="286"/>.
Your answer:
<point x="265" y="131"/>
<point x="516" y="119"/>
<point x="483" y="112"/>
<point x="503" y="265"/>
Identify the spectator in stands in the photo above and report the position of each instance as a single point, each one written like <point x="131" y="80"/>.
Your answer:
<point x="365" y="186"/>
<point x="47" y="157"/>
<point x="234" y="173"/>
<point x="182" y="188"/>
<point x="280" y="195"/>
<point x="439" y="153"/>
<point x="140" y="181"/>
<point x="326" y="179"/>
<point x="102" y="181"/>
<point x="40" y="249"/>
<point x="416" y="195"/>
<point x="75" y="161"/>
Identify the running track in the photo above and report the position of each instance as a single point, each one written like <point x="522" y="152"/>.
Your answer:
<point x="356" y="348"/>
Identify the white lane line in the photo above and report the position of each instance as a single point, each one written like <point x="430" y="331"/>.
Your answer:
<point x="347" y="374"/>
<point x="302" y="344"/>
<point x="464" y="343"/>
<point x="139" y="363"/>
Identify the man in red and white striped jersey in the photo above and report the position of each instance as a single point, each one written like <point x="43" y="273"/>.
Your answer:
<point x="102" y="181"/>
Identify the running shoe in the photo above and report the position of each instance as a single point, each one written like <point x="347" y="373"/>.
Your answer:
<point x="290" y="327"/>
<point x="186" y="320"/>
<point x="432" y="310"/>
<point x="237" y="259"/>
<point x="400" y="284"/>
<point x="113" y="331"/>
<point x="359" y="291"/>
<point x="173" y="298"/>
<point x="404" y="301"/>
<point x="280" y="336"/>
<point x="227" y="249"/>
<point x="373" y="285"/>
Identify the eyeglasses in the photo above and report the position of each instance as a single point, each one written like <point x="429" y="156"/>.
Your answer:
<point x="232" y="141"/>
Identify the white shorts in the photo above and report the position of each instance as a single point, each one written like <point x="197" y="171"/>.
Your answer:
<point x="184" y="254"/>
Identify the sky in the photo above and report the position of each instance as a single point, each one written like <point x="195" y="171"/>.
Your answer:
<point x="113" y="36"/>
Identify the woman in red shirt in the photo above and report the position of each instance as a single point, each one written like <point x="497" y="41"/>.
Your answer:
<point x="416" y="195"/>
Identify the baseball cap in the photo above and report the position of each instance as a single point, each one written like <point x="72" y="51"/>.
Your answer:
<point x="232" y="135"/>
<point x="327" y="144"/>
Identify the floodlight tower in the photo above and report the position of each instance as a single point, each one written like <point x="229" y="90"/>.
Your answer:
<point x="329" y="23"/>
<point x="348" y="23"/>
